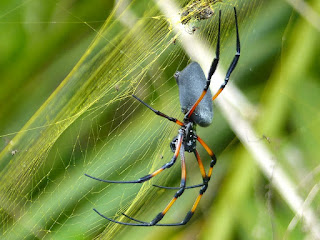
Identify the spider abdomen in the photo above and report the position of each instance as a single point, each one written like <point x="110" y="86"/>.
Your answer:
<point x="191" y="82"/>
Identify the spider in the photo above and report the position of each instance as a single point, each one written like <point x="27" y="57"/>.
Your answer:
<point x="198" y="111"/>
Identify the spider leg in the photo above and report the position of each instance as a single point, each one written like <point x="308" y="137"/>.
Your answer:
<point x="202" y="170"/>
<point x="158" y="112"/>
<point x="187" y="187"/>
<point x="206" y="179"/>
<point x="234" y="61"/>
<point x="187" y="217"/>
<point x="189" y="214"/>
<point x="213" y="68"/>
<point x="193" y="209"/>
<point x="140" y="223"/>
<point x="133" y="218"/>
<point x="212" y="155"/>
<point x="123" y="223"/>
<point x="151" y="175"/>
<point x="179" y="192"/>
<point x="161" y="214"/>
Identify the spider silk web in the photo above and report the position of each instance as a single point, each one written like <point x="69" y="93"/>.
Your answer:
<point x="89" y="123"/>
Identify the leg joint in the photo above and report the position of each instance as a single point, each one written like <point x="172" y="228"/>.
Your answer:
<point x="145" y="178"/>
<point x="156" y="219"/>
<point x="169" y="164"/>
<point x="179" y="192"/>
<point x="187" y="218"/>
<point x="203" y="189"/>
<point x="206" y="180"/>
<point x="213" y="161"/>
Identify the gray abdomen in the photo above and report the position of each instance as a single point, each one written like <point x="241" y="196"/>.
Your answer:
<point x="191" y="82"/>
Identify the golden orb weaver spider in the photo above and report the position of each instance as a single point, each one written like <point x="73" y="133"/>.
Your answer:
<point x="197" y="110"/>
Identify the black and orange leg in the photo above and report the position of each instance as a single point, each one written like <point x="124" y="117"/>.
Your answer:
<point x="201" y="167"/>
<point x="234" y="61"/>
<point x="203" y="189"/>
<point x="213" y="68"/>
<point x="202" y="170"/>
<point x="205" y="177"/>
<point x="151" y="175"/>
<point x="212" y="155"/>
<point x="158" y="112"/>
<point x="167" y="208"/>
<point x="183" y="222"/>
<point x="175" y="188"/>
<point x="194" y="207"/>
<point x="179" y="192"/>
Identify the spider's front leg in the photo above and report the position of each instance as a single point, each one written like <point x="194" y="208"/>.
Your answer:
<point x="234" y="61"/>
<point x="212" y="70"/>
<point x="161" y="114"/>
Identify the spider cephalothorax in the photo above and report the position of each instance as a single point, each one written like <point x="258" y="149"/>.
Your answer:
<point x="189" y="141"/>
<point x="196" y="104"/>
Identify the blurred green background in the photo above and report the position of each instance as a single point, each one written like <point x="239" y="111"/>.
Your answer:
<point x="67" y="71"/>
